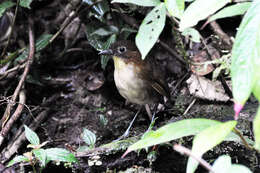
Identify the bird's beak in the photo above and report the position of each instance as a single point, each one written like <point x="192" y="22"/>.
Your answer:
<point x="106" y="52"/>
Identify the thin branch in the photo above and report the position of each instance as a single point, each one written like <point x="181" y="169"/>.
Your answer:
<point x="172" y="52"/>
<point x="68" y="20"/>
<point x="247" y="145"/>
<point x="221" y="77"/>
<point x="189" y="107"/>
<point x="16" y="68"/>
<point x="22" y="80"/>
<point x="186" y="151"/>
<point x="14" y="146"/>
<point x="15" y="116"/>
<point x="222" y="35"/>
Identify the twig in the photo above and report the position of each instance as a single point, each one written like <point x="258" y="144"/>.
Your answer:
<point x="179" y="82"/>
<point x="26" y="70"/>
<point x="12" y="28"/>
<point x="13" y="147"/>
<point x="172" y="52"/>
<point x="186" y="151"/>
<point x="243" y="139"/>
<point x="15" y="116"/>
<point x="16" y="68"/>
<point x="188" y="108"/>
<point x="222" y="79"/>
<point x="68" y="20"/>
<point x="222" y="35"/>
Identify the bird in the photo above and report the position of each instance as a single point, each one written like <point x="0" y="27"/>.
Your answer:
<point x="139" y="81"/>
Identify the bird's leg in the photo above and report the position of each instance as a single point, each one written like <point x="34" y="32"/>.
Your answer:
<point x="129" y="127"/>
<point x="148" y="110"/>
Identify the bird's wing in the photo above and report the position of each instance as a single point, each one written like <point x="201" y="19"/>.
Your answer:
<point x="159" y="88"/>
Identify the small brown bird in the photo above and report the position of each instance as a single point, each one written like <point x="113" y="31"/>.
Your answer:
<point x="138" y="81"/>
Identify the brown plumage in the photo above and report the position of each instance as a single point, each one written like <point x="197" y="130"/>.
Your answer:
<point x="139" y="81"/>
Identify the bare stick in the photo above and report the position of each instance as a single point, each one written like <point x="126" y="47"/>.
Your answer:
<point x="68" y="20"/>
<point x="26" y="70"/>
<point x="186" y="151"/>
<point x="222" y="35"/>
<point x="14" y="146"/>
<point x="15" y="116"/>
<point x="247" y="145"/>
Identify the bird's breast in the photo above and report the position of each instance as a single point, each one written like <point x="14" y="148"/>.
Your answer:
<point x="129" y="85"/>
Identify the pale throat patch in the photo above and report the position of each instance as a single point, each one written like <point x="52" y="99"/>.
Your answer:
<point x="127" y="83"/>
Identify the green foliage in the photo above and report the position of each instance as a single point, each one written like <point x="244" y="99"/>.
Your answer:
<point x="18" y="159"/>
<point x="105" y="58"/>
<point x="199" y="10"/>
<point x="98" y="10"/>
<point x="246" y="56"/>
<point x="193" y="33"/>
<point x="152" y="26"/>
<point x="60" y="154"/>
<point x="146" y="3"/>
<point x="4" y="6"/>
<point x="150" y="29"/>
<point x="232" y="10"/>
<point x="175" y="7"/>
<point x="177" y="130"/>
<point x="31" y="136"/>
<point x="256" y="128"/>
<point x="207" y="139"/>
<point x="25" y="3"/>
<point x="42" y="155"/>
<point x="41" y="43"/>
<point x="223" y="164"/>
<point x="89" y="137"/>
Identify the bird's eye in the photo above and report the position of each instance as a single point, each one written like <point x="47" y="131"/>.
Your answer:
<point x="121" y="49"/>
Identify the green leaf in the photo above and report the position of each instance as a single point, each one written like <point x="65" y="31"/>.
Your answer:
<point x="199" y="10"/>
<point x="83" y="148"/>
<point x="88" y="137"/>
<point x="96" y="41"/>
<point x="195" y="35"/>
<point x="245" y="55"/>
<point x="146" y="3"/>
<point x="207" y="139"/>
<point x="175" y="7"/>
<point x="105" y="58"/>
<point x="26" y="3"/>
<point x="60" y="154"/>
<point x="256" y="128"/>
<point x="233" y="10"/>
<point x="105" y="31"/>
<point x="41" y="43"/>
<point x="150" y="29"/>
<point x="4" y="6"/>
<point x="99" y="9"/>
<point x="18" y="159"/>
<point x="236" y="168"/>
<point x="222" y="164"/>
<point x="31" y="136"/>
<point x="256" y="64"/>
<point x="41" y="155"/>
<point x="256" y="89"/>
<point x="173" y="131"/>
